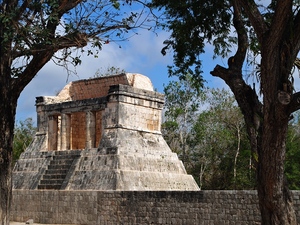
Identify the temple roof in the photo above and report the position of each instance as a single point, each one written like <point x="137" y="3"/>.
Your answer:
<point x="98" y="87"/>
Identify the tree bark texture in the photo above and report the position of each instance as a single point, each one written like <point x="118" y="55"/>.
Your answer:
<point x="275" y="199"/>
<point x="7" y="117"/>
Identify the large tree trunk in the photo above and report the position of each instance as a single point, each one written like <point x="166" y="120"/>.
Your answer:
<point x="5" y="184"/>
<point x="7" y="117"/>
<point x="267" y="130"/>
<point x="275" y="199"/>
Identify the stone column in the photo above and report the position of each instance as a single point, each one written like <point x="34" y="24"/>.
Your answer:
<point x="90" y="119"/>
<point x="52" y="132"/>
<point x="65" y="133"/>
<point x="41" y="116"/>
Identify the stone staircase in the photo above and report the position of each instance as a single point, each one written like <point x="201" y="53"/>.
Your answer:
<point x="62" y="163"/>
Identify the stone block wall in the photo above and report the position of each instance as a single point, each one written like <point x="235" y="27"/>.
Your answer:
<point x="79" y="90"/>
<point x="139" y="207"/>
<point x="133" y="109"/>
<point x="89" y="88"/>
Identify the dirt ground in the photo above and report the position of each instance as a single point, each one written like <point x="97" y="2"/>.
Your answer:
<point x="22" y="223"/>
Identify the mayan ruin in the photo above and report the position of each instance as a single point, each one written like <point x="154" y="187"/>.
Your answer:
<point x="101" y="134"/>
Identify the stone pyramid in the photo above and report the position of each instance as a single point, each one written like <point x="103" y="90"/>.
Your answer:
<point x="101" y="134"/>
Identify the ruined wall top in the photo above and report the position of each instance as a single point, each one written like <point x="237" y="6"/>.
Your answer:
<point x="98" y="87"/>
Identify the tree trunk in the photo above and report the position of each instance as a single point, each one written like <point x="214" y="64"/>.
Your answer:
<point x="275" y="199"/>
<point x="7" y="118"/>
<point x="267" y="131"/>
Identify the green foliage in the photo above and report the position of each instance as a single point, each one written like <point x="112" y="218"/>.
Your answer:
<point x="292" y="163"/>
<point x="208" y="133"/>
<point x="31" y="28"/>
<point x="220" y="134"/>
<point x="116" y="4"/>
<point x="194" y="24"/>
<point x="23" y="135"/>
<point x="182" y="103"/>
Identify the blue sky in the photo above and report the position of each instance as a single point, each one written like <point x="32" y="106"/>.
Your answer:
<point x="141" y="54"/>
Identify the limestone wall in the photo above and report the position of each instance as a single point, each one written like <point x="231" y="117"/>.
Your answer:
<point x="150" y="207"/>
<point x="98" y="87"/>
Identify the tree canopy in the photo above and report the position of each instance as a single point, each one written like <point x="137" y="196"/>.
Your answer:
<point x="23" y="135"/>
<point x="207" y="131"/>
<point x="227" y="26"/>
<point x="266" y="34"/>
<point x="33" y="31"/>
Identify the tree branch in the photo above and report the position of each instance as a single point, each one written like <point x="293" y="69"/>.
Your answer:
<point x="22" y="9"/>
<point x="247" y="100"/>
<point x="77" y="40"/>
<point x="70" y="40"/>
<point x="42" y="54"/>
<point x="246" y="96"/>
<point x="38" y="61"/>
<point x="255" y="17"/>
<point x="66" y="5"/>
<point x="240" y="55"/>
<point x="11" y="4"/>
<point x="296" y="33"/>
<point x="283" y="13"/>
<point x="103" y="30"/>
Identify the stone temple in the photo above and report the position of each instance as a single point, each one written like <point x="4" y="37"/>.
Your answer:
<point x="101" y="134"/>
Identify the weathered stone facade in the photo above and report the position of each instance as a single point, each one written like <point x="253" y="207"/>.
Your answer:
<point x="101" y="134"/>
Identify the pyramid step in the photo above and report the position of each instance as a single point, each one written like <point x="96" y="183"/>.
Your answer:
<point x="57" y="172"/>
<point x="48" y="186"/>
<point x="71" y="152"/>
<point x="58" y="167"/>
<point x="67" y="156"/>
<point x="54" y="176"/>
<point x="61" y="162"/>
<point x="58" y="157"/>
<point x="52" y="182"/>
